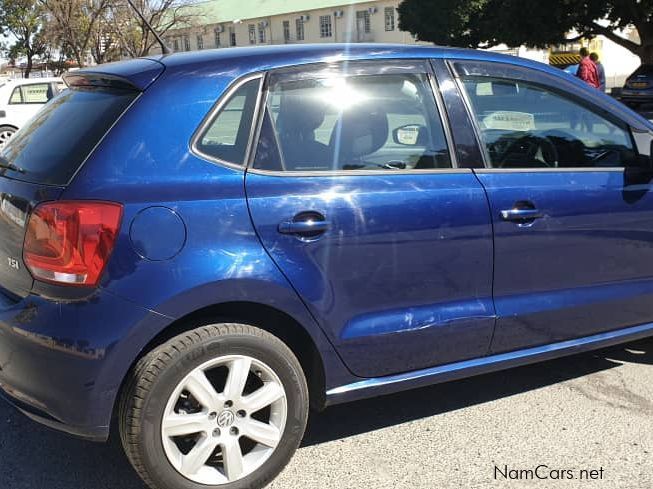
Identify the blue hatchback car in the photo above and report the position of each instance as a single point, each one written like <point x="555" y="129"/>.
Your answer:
<point x="202" y="246"/>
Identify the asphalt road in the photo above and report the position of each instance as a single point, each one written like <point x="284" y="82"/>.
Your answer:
<point x="592" y="412"/>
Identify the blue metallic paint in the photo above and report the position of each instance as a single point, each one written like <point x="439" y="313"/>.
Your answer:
<point x="402" y="279"/>
<point x="67" y="358"/>
<point x="585" y="267"/>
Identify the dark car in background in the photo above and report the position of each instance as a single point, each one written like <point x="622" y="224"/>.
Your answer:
<point x="638" y="89"/>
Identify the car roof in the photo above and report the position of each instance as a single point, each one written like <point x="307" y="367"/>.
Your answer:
<point x="257" y="58"/>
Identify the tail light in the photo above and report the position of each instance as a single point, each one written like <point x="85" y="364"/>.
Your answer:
<point x="70" y="242"/>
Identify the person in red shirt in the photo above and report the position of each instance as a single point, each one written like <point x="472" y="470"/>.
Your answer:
<point x="587" y="70"/>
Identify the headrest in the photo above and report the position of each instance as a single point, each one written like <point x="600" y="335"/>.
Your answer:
<point x="300" y="114"/>
<point x="361" y="131"/>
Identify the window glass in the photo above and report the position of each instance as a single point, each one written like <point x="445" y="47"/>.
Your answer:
<point x="16" y="96"/>
<point x="325" y="26"/>
<point x="227" y="136"/>
<point x="389" y="18"/>
<point x="367" y="122"/>
<point x="299" y="27"/>
<point x="524" y="125"/>
<point x="55" y="143"/>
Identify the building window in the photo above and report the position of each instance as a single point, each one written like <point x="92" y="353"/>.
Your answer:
<point x="175" y="45"/>
<point x="232" y="36"/>
<point x="216" y="36"/>
<point x="325" y="26"/>
<point x="389" y="18"/>
<point x="363" y="21"/>
<point x="251" y="29"/>
<point x="186" y="43"/>
<point x="286" y="30"/>
<point x="261" y="32"/>
<point x="200" y="41"/>
<point x="299" y="25"/>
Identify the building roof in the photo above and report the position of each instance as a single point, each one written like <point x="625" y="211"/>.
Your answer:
<point x="219" y="11"/>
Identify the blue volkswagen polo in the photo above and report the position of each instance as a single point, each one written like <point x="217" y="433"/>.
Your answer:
<point x="200" y="247"/>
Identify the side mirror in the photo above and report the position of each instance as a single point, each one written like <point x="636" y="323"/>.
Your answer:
<point x="410" y="135"/>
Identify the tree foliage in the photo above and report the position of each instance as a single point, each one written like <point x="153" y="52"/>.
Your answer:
<point x="480" y="23"/>
<point x="132" y="34"/>
<point x="74" y="24"/>
<point x="22" y="21"/>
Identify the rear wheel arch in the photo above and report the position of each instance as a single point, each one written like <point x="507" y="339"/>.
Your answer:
<point x="267" y="318"/>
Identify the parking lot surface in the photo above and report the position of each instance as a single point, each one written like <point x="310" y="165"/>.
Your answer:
<point x="590" y="414"/>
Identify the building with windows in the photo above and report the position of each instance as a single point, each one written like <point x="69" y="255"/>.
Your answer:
<point x="227" y="23"/>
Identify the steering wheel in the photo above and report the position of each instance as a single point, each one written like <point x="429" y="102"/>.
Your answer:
<point x="529" y="150"/>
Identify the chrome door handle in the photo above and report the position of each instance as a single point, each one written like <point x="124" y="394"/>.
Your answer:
<point x="307" y="225"/>
<point x="521" y="215"/>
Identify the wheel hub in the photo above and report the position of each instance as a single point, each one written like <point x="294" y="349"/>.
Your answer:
<point x="226" y="419"/>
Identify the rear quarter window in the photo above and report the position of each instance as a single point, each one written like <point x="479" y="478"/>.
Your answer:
<point x="54" y="144"/>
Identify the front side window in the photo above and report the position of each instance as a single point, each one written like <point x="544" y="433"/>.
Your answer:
<point x="386" y="122"/>
<point x="227" y="136"/>
<point x="524" y="125"/>
<point x="325" y="26"/>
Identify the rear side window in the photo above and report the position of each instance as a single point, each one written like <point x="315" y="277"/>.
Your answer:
<point x="384" y="122"/>
<point x="55" y="143"/>
<point x="226" y="137"/>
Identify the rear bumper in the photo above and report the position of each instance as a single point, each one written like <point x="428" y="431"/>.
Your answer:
<point x="62" y="364"/>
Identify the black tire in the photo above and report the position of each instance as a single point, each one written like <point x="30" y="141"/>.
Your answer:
<point x="156" y="375"/>
<point x="5" y="130"/>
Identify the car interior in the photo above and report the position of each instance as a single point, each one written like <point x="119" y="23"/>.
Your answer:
<point x="320" y="127"/>
<point x="525" y="126"/>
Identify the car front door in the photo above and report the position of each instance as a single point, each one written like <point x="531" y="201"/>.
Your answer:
<point x="572" y="214"/>
<point x="355" y="194"/>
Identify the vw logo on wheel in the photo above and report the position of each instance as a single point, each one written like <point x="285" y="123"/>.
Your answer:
<point x="225" y="419"/>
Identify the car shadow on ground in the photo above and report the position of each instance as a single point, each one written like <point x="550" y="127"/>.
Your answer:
<point x="34" y="457"/>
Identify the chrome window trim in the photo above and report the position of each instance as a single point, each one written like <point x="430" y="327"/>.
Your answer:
<point x="360" y="68"/>
<point x="215" y="111"/>
<point x="357" y="173"/>
<point x="612" y="169"/>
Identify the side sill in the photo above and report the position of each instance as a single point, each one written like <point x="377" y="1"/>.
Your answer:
<point x="453" y="371"/>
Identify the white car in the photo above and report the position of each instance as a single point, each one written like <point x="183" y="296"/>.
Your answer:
<point x="21" y="99"/>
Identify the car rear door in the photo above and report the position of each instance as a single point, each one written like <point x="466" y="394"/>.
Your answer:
<point x="573" y="226"/>
<point x="355" y="193"/>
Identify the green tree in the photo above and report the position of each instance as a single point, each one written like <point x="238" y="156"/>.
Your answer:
<point x="22" y="21"/>
<point x="481" y="23"/>
<point x="73" y="24"/>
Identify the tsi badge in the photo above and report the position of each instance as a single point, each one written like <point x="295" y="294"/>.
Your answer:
<point x="13" y="263"/>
